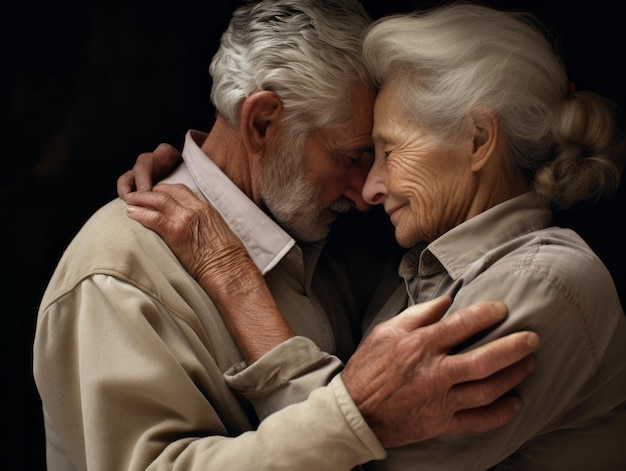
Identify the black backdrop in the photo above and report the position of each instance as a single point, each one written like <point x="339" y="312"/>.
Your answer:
<point x="87" y="86"/>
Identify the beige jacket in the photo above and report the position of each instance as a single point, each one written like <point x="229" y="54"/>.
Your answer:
<point x="130" y="355"/>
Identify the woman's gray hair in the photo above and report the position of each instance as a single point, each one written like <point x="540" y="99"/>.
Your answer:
<point x="453" y="60"/>
<point x="307" y="51"/>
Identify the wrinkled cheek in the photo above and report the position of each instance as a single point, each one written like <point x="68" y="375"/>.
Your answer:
<point x="429" y="206"/>
<point x="434" y="194"/>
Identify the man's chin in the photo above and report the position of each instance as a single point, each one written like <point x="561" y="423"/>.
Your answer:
<point x="328" y="216"/>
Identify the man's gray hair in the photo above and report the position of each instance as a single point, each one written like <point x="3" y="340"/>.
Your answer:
<point x="306" y="51"/>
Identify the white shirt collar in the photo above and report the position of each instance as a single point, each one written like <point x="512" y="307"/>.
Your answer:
<point x="266" y="242"/>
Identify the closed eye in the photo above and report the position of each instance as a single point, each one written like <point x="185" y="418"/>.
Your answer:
<point x="364" y="156"/>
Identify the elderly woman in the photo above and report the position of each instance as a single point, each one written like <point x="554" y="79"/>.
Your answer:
<point x="478" y="134"/>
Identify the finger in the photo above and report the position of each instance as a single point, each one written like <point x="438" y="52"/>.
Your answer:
<point x="157" y="200"/>
<point x="492" y="357"/>
<point x="484" y="419"/>
<point x="125" y="184"/>
<point x="483" y="392"/>
<point x="164" y="159"/>
<point x="422" y="314"/>
<point x="178" y="191"/>
<point x="150" y="218"/>
<point x="156" y="211"/>
<point x="182" y="195"/>
<point x="143" y="171"/>
<point x="461" y="325"/>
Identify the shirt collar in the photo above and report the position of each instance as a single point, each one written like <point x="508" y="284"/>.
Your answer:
<point x="458" y="248"/>
<point x="266" y="242"/>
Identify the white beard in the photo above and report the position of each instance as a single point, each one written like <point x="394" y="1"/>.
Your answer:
<point x="293" y="200"/>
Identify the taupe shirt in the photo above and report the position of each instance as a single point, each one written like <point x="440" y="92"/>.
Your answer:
<point x="130" y="353"/>
<point x="574" y="403"/>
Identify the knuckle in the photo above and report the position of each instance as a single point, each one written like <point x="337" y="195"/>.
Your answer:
<point x="405" y="347"/>
<point x="144" y="157"/>
<point x="459" y="321"/>
<point x="483" y="393"/>
<point x="481" y="362"/>
<point x="381" y="330"/>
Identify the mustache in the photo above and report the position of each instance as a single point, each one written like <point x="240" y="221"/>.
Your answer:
<point x="340" y="205"/>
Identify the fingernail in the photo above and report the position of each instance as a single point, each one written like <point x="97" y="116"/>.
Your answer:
<point x="533" y="340"/>
<point x="500" y="307"/>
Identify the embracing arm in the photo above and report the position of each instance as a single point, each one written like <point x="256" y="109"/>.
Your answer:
<point x="127" y="385"/>
<point x="232" y="279"/>
<point x="220" y="264"/>
<point x="402" y="379"/>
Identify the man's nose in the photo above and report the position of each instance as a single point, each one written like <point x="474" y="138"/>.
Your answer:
<point x="354" y="190"/>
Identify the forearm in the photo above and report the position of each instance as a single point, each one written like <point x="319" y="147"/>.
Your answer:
<point x="245" y="303"/>
<point x="323" y="433"/>
<point x="214" y="256"/>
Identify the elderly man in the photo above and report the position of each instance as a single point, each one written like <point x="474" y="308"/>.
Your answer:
<point x="135" y="366"/>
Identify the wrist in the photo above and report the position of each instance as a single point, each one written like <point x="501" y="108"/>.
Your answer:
<point x="227" y="272"/>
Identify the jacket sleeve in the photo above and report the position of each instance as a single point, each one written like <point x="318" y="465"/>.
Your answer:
<point x="127" y="384"/>
<point x="283" y="376"/>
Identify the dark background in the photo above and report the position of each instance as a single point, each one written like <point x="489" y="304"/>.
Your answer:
<point x="87" y="86"/>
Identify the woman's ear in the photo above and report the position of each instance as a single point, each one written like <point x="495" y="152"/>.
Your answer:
<point x="486" y="132"/>
<point x="258" y="113"/>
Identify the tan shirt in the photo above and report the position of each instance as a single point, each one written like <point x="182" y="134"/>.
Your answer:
<point x="130" y="353"/>
<point x="574" y="403"/>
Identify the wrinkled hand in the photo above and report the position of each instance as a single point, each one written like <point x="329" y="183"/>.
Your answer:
<point x="149" y="168"/>
<point x="194" y="231"/>
<point x="409" y="389"/>
<point x="215" y="257"/>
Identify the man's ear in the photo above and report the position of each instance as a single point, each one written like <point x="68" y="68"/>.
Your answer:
<point x="259" y="111"/>
<point x="486" y="132"/>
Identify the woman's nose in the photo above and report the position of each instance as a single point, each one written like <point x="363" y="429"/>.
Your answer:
<point x="374" y="190"/>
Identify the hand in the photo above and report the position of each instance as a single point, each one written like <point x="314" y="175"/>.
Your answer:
<point x="149" y="168"/>
<point x="193" y="230"/>
<point x="214" y="256"/>
<point x="409" y="389"/>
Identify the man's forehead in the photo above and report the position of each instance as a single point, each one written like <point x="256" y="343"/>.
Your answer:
<point x="357" y="136"/>
<point x="357" y="131"/>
